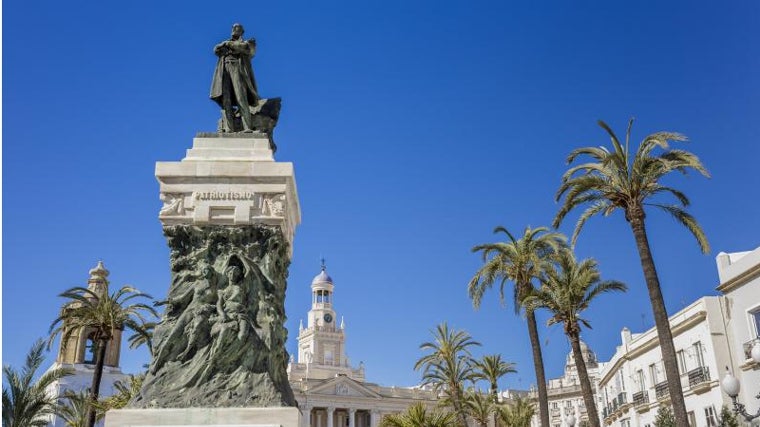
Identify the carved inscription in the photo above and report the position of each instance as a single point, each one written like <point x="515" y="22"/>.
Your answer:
<point x="223" y="195"/>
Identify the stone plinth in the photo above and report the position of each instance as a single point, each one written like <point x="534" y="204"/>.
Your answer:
<point x="229" y="180"/>
<point x="196" y="417"/>
<point x="229" y="217"/>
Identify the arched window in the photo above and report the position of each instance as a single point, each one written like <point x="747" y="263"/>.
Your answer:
<point x="90" y="349"/>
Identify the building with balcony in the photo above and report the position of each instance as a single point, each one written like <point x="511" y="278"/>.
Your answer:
<point x="633" y="383"/>
<point x="711" y="335"/>
<point x="739" y="275"/>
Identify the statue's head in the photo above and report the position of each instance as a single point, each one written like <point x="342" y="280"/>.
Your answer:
<point x="237" y="30"/>
<point x="233" y="273"/>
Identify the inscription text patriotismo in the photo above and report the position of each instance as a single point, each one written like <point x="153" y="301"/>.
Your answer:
<point x="223" y="195"/>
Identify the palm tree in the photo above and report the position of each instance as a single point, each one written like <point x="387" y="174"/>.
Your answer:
<point x="448" y="367"/>
<point x="519" y="261"/>
<point x="75" y="412"/>
<point x="490" y="368"/>
<point x="26" y="403"/>
<point x="124" y="392"/>
<point x="480" y="407"/>
<point x="101" y="315"/>
<point x="518" y="413"/>
<point x="144" y="336"/>
<point x="567" y="290"/>
<point x="418" y="416"/>
<point x="618" y="180"/>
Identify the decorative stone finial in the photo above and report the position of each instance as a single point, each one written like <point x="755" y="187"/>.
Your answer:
<point x="99" y="272"/>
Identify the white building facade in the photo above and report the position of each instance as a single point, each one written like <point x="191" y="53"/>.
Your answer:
<point x="330" y="392"/>
<point x="711" y="335"/>
<point x="633" y="384"/>
<point x="739" y="275"/>
<point x="564" y="393"/>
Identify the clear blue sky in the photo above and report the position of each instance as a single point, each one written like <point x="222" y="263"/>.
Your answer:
<point x="415" y="128"/>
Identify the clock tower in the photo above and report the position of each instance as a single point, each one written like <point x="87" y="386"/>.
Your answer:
<point x="321" y="344"/>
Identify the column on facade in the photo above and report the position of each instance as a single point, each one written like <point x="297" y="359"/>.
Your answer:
<point x="330" y="411"/>
<point x="351" y="417"/>
<point x="374" y="418"/>
<point x="306" y="416"/>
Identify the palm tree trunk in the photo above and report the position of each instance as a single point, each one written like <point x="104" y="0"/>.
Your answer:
<point x="100" y="357"/>
<point x="459" y="405"/>
<point x="538" y="364"/>
<point x="580" y="364"/>
<point x="661" y="321"/>
<point x="495" y="398"/>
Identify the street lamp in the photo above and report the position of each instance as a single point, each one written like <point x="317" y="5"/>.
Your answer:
<point x="731" y="386"/>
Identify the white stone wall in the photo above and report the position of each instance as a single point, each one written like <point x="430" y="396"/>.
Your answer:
<point x="701" y="339"/>
<point x="81" y="380"/>
<point x="739" y="275"/>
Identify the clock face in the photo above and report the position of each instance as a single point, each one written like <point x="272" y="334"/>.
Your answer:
<point x="327" y="317"/>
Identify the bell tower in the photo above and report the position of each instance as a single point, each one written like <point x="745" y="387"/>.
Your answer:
<point x="80" y="347"/>
<point x="322" y="343"/>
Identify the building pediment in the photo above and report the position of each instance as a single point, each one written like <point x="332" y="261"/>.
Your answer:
<point x="343" y="386"/>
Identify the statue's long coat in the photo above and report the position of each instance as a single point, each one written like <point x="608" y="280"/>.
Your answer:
<point x="249" y="81"/>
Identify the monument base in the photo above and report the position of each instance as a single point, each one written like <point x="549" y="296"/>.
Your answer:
<point x="196" y="417"/>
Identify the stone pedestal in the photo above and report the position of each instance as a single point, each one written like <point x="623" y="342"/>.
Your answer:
<point x="229" y="179"/>
<point x="229" y="217"/>
<point x="196" y="417"/>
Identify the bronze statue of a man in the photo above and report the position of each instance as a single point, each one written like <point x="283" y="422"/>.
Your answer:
<point x="234" y="86"/>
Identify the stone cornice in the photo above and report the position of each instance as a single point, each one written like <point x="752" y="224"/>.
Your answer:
<point x="740" y="279"/>
<point x="652" y="343"/>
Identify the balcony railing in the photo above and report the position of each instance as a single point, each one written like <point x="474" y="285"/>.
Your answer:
<point x="699" y="376"/>
<point x="640" y="398"/>
<point x="556" y="412"/>
<point x="748" y="347"/>
<point x="661" y="390"/>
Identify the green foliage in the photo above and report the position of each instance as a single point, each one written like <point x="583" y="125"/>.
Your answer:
<point x="664" y="417"/>
<point x="448" y="366"/>
<point x="568" y="288"/>
<point x="73" y="411"/>
<point x="727" y="418"/>
<point x="124" y="392"/>
<point x="517" y="260"/>
<point x="490" y="368"/>
<point x="419" y="416"/>
<point x="518" y="413"/>
<point x="619" y="179"/>
<point x="480" y="407"/>
<point x="25" y="401"/>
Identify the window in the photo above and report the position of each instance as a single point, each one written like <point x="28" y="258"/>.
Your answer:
<point x="692" y="419"/>
<point x="555" y="405"/>
<point x="640" y="380"/>
<point x="625" y="423"/>
<point x="90" y="349"/>
<point x="681" y="356"/>
<point x="620" y="381"/>
<point x="698" y="354"/>
<point x="712" y="421"/>
<point x="755" y="320"/>
<point x="653" y="373"/>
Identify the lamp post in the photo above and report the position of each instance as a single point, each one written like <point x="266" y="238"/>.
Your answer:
<point x="731" y="386"/>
